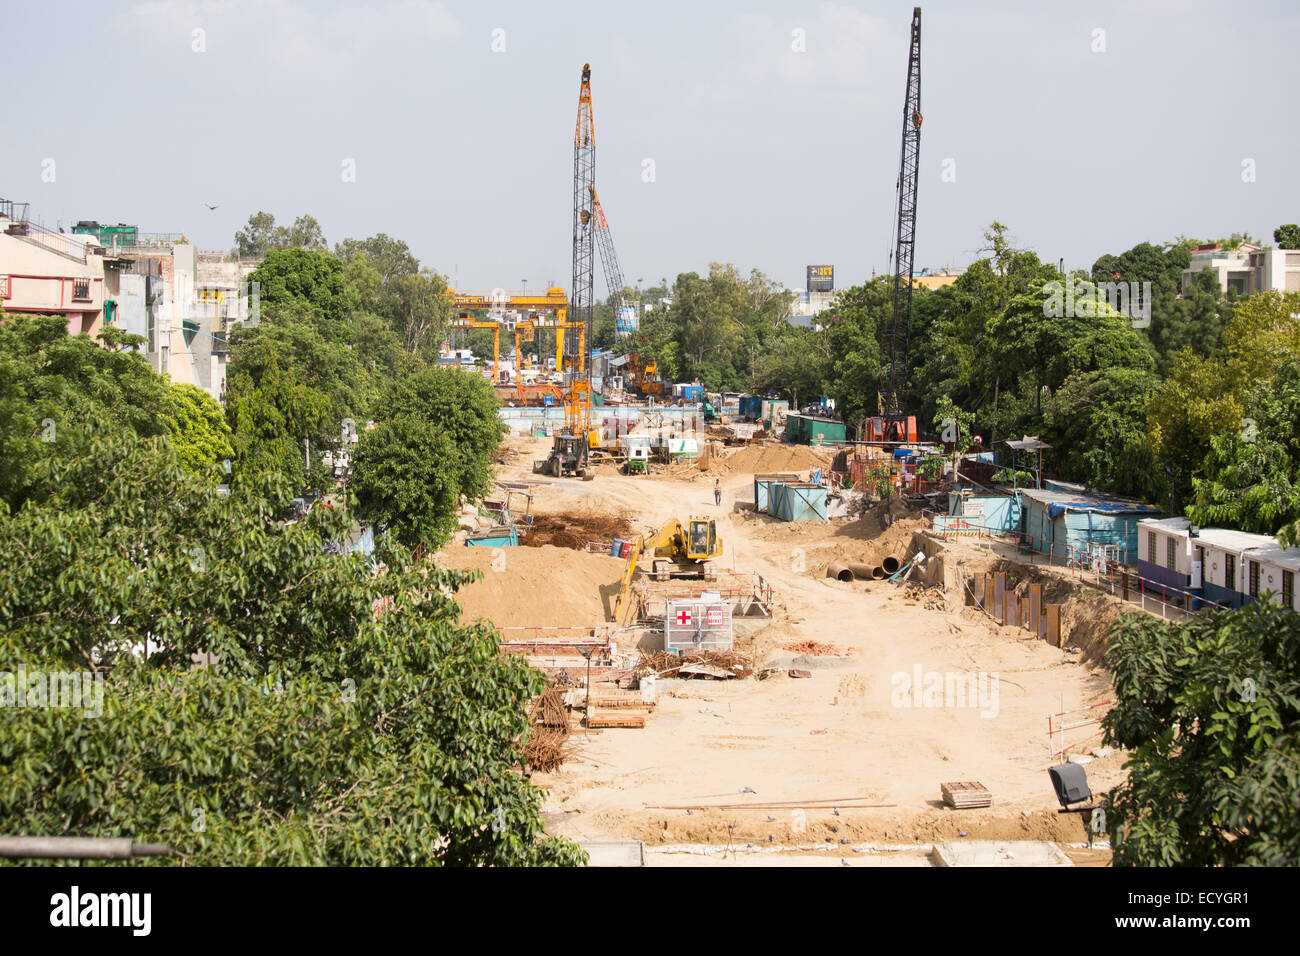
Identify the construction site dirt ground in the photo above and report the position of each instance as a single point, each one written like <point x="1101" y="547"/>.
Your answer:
<point x="851" y="730"/>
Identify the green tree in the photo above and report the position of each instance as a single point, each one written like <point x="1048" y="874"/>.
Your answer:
<point x="851" y="328"/>
<point x="1287" y="237"/>
<point x="305" y="233"/>
<point x="255" y="238"/>
<point x="51" y="381"/>
<point x="1251" y="477"/>
<point x="1096" y="423"/>
<point x="460" y="404"/>
<point x="419" y="307"/>
<point x="200" y="434"/>
<point x="271" y="418"/>
<point x="287" y="276"/>
<point x="327" y="733"/>
<point x="1189" y="408"/>
<point x="1209" y="710"/>
<point x="389" y="257"/>
<point x="405" y="480"/>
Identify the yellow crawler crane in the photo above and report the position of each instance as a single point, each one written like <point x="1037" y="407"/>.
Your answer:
<point x="697" y="546"/>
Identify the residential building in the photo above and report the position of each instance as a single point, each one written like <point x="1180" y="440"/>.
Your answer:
<point x="183" y="303"/>
<point x="1246" y="269"/>
<point x="50" y="273"/>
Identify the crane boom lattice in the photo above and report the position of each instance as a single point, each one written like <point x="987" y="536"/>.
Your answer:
<point x="900" y="331"/>
<point x="584" y="186"/>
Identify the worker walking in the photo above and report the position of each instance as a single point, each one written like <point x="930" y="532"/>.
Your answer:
<point x="717" y="491"/>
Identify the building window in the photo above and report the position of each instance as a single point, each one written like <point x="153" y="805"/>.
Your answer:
<point x="1171" y="554"/>
<point x="1288" y="589"/>
<point x="1254" y="579"/>
<point x="1151" y="547"/>
<point x="1230" y="571"/>
<point x="80" y="290"/>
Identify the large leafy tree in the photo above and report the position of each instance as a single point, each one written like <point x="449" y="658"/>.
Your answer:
<point x="254" y="239"/>
<point x="1209" y="710"/>
<point x="405" y="481"/>
<point x="1287" y="237"/>
<point x="261" y="235"/>
<point x="200" y="434"/>
<point x="1096" y="423"/>
<point x="461" y="405"/>
<point x="347" y="721"/>
<point x="51" y="381"/>
<point x="1251" y="477"/>
<point x="287" y="276"/>
<point x="1189" y="408"/>
<point x="272" y="418"/>
<point x="851" y="328"/>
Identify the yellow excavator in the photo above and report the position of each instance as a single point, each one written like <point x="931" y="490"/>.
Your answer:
<point x="692" y="548"/>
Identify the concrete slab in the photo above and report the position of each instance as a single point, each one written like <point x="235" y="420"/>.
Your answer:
<point x="1000" y="853"/>
<point x="615" y="853"/>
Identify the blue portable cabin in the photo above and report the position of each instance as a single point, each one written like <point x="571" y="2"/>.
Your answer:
<point x="763" y="489"/>
<point x="1066" y="524"/>
<point x="800" y="501"/>
<point x="974" y="512"/>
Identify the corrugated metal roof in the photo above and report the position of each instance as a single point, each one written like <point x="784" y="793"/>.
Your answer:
<point x="1067" y="501"/>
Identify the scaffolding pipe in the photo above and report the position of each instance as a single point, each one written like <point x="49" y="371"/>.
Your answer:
<point x="78" y="848"/>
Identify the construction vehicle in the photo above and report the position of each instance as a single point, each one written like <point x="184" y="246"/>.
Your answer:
<point x="643" y="380"/>
<point x="638" y="460"/>
<point x="569" y="456"/>
<point x="693" y="549"/>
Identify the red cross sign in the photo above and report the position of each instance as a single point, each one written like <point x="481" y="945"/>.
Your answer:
<point x="683" y="617"/>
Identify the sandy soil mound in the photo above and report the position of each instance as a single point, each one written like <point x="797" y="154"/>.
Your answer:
<point x="761" y="459"/>
<point x="536" y="586"/>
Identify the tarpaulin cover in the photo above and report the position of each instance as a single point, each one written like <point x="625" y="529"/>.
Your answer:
<point x="1057" y="508"/>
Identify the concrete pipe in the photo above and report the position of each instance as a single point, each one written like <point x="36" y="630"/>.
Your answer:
<point x="877" y="574"/>
<point x="859" y="570"/>
<point x="841" y="572"/>
<point x="889" y="565"/>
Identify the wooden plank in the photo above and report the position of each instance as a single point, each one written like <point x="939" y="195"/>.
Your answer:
<point x="615" y="719"/>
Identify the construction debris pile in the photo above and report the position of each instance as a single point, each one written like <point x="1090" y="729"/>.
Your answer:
<point x="548" y="743"/>
<point x="721" y="665"/>
<point x="576" y="531"/>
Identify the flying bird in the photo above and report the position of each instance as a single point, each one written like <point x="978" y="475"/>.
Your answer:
<point x="211" y="205"/>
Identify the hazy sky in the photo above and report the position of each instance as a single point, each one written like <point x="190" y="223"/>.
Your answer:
<point x="763" y="156"/>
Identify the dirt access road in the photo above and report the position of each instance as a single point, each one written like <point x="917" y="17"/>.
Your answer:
<point x="851" y="730"/>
